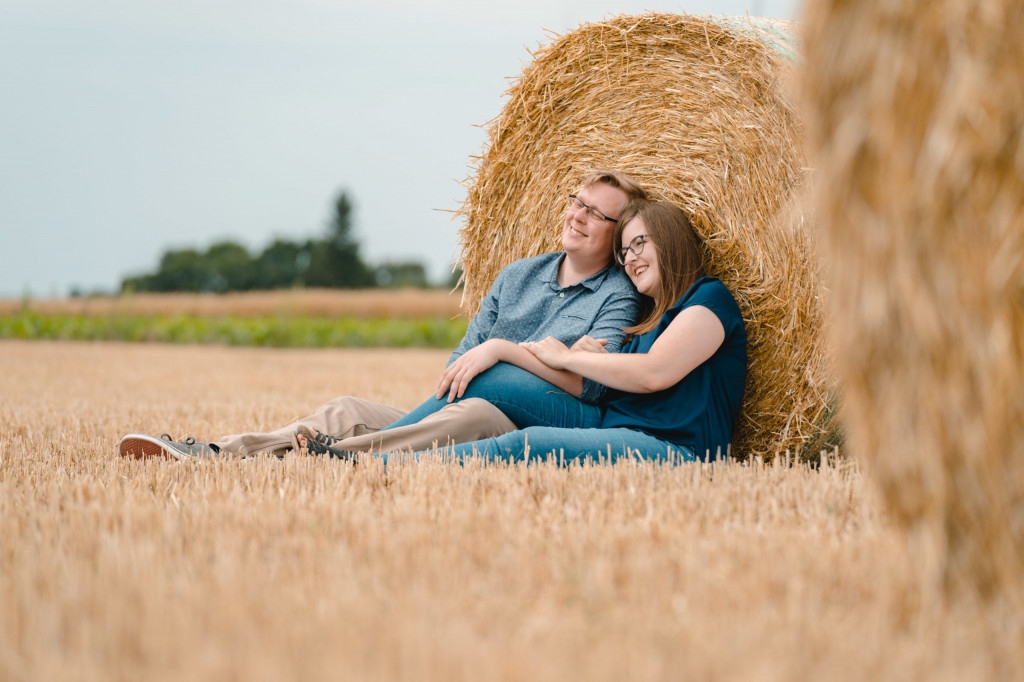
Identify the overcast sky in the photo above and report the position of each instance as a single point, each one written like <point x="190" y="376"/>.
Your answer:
<point x="131" y="126"/>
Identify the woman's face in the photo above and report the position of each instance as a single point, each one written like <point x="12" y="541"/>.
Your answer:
<point x="642" y="268"/>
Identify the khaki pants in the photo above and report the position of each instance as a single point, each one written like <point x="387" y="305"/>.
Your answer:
<point x="359" y="422"/>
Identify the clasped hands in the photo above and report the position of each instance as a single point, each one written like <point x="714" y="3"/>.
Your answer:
<point x="554" y="353"/>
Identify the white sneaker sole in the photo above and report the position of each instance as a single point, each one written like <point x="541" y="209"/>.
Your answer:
<point x="141" y="446"/>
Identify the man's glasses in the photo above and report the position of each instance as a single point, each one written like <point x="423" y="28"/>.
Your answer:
<point x="636" y="246"/>
<point x="591" y="211"/>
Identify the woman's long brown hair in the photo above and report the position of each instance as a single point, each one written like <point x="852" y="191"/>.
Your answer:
<point x="680" y="257"/>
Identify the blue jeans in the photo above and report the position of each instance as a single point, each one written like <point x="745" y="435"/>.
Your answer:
<point x="526" y="399"/>
<point x="539" y="443"/>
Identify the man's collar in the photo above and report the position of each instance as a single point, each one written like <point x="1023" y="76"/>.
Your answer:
<point x="550" y="275"/>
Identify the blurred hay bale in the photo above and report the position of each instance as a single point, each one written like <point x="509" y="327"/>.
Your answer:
<point x="697" y="110"/>
<point x="916" y="118"/>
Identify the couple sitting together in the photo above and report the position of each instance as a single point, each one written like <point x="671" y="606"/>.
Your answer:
<point x="570" y="356"/>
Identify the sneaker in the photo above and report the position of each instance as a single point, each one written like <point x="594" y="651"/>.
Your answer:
<point x="317" y="443"/>
<point x="141" y="446"/>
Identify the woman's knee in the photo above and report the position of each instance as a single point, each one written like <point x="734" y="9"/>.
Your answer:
<point x="505" y="379"/>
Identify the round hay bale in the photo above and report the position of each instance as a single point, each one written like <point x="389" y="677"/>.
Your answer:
<point x="697" y="110"/>
<point x="916" y="119"/>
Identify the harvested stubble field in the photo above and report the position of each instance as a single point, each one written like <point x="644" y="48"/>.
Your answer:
<point x="363" y="303"/>
<point x="314" y="569"/>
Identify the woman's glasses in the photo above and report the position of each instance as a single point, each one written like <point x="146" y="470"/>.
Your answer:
<point x="636" y="246"/>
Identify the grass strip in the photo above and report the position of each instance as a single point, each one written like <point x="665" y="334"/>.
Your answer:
<point x="276" y="332"/>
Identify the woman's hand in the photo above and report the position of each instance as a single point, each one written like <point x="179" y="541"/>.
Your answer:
<point x="590" y="345"/>
<point x="456" y="377"/>
<point x="550" y="351"/>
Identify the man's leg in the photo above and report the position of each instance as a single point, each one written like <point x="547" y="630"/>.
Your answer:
<point x="466" y="420"/>
<point x="342" y="417"/>
<point x="525" y="398"/>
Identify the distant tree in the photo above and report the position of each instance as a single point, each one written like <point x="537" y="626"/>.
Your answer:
<point x="183" y="270"/>
<point x="134" y="283"/>
<point x="231" y="267"/>
<point x="225" y="266"/>
<point x="335" y="261"/>
<point x="281" y="265"/>
<point x="339" y="230"/>
<point x="330" y="261"/>
<point x="398" y="275"/>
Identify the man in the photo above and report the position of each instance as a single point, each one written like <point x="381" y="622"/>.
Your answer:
<point x="571" y="294"/>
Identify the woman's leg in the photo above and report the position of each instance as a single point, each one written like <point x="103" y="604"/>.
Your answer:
<point x="467" y="420"/>
<point x="567" y="445"/>
<point x="525" y="398"/>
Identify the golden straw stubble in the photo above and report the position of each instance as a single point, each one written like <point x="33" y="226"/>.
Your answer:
<point x="313" y="568"/>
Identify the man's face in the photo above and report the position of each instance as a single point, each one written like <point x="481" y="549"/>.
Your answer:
<point x="586" y="233"/>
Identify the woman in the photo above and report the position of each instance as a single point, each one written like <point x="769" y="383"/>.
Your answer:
<point x="676" y="387"/>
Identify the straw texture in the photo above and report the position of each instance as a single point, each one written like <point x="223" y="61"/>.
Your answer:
<point x="697" y="110"/>
<point x="916" y="118"/>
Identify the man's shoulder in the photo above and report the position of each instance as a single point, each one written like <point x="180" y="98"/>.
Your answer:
<point x="618" y="282"/>
<point x="619" y="277"/>
<point x="534" y="262"/>
<point x="531" y="266"/>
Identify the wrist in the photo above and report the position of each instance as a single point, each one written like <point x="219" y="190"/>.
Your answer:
<point x="569" y="360"/>
<point x="499" y="348"/>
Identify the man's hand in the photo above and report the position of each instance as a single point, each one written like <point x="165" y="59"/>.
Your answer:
<point x="550" y="351"/>
<point x="591" y="345"/>
<point x="456" y="377"/>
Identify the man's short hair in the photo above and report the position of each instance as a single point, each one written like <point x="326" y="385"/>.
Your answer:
<point x="618" y="180"/>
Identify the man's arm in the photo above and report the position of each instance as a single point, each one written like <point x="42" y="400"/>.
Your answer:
<point x="617" y="313"/>
<point x="479" y="328"/>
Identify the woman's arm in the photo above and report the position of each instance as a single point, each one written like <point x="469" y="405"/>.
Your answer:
<point x="689" y="340"/>
<point x="457" y="375"/>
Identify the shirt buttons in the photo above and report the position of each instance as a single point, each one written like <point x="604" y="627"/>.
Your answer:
<point x="561" y="295"/>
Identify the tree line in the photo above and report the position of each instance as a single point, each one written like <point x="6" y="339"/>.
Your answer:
<point x="332" y="261"/>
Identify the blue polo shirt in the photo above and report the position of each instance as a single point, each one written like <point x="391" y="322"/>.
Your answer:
<point x="526" y="303"/>
<point x="700" y="410"/>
